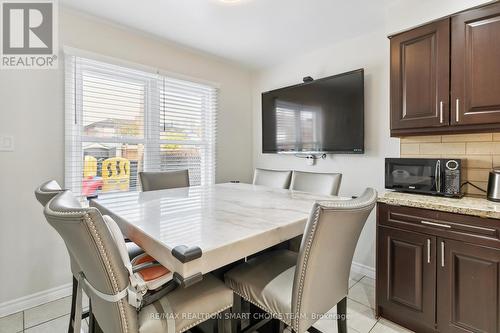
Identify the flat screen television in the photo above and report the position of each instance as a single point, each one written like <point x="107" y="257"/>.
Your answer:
<point x="321" y="116"/>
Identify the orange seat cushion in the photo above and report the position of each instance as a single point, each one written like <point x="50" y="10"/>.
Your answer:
<point x="144" y="259"/>
<point x="151" y="273"/>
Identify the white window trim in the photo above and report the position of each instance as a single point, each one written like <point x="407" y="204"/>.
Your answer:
<point x="68" y="50"/>
<point x="74" y="137"/>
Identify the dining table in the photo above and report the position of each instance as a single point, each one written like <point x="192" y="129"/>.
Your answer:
<point x="196" y="230"/>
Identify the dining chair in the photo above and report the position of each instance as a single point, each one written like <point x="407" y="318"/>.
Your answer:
<point x="121" y="300"/>
<point x="297" y="288"/>
<point x="44" y="193"/>
<point x="51" y="188"/>
<point x="319" y="183"/>
<point x="154" y="181"/>
<point x="272" y="178"/>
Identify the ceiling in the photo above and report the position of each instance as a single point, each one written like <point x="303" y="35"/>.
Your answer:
<point x="255" y="33"/>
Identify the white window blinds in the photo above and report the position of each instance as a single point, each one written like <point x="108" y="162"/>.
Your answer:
<point x="120" y="121"/>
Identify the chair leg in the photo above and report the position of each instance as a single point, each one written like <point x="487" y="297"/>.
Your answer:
<point x="342" y="316"/>
<point x="278" y="326"/>
<point x="73" y="305"/>
<point x="91" y="319"/>
<point x="313" y="329"/>
<point x="221" y="325"/>
<point x="93" y="324"/>
<point x="236" y="314"/>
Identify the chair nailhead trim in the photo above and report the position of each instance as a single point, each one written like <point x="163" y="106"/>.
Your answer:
<point x="304" y="266"/>
<point x="100" y="246"/>
<point x="184" y="329"/>
<point x="258" y="305"/>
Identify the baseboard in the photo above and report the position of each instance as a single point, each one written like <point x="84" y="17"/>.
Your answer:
<point x="26" y="302"/>
<point x="363" y="269"/>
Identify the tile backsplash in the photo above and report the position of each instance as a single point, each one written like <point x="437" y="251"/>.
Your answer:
<point x="480" y="152"/>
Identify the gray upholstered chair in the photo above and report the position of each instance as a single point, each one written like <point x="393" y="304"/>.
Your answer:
<point x="272" y="178"/>
<point x="115" y="293"/>
<point x="44" y="193"/>
<point x="320" y="183"/>
<point x="51" y="188"/>
<point x="297" y="288"/>
<point x="47" y="191"/>
<point x="155" y="181"/>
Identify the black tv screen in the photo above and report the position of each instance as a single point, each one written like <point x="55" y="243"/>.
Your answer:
<point x="322" y="116"/>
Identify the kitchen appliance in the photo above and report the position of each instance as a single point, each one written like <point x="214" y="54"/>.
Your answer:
<point x="493" y="193"/>
<point x="425" y="176"/>
<point x="317" y="116"/>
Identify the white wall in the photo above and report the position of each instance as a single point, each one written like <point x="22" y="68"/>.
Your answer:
<point x="359" y="171"/>
<point x="33" y="257"/>
<point x="371" y="52"/>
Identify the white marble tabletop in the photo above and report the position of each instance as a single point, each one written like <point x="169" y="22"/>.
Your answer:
<point x="226" y="221"/>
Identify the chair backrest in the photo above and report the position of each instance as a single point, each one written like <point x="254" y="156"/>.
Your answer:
<point x="47" y="191"/>
<point x="320" y="183"/>
<point x="272" y="178"/>
<point x="154" y="181"/>
<point x="44" y="193"/>
<point x="91" y="243"/>
<point x="325" y="257"/>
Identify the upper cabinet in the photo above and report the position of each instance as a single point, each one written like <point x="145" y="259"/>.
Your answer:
<point x="475" y="66"/>
<point x="420" y="77"/>
<point x="445" y="76"/>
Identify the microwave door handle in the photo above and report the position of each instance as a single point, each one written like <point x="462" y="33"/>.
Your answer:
<point x="437" y="176"/>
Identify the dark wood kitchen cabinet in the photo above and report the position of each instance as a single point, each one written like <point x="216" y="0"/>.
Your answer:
<point x="438" y="271"/>
<point x="420" y="77"/>
<point x="468" y="288"/>
<point x="475" y="66"/>
<point x="445" y="75"/>
<point x="409" y="287"/>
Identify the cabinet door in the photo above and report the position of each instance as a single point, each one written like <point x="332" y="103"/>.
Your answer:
<point x="468" y="288"/>
<point x="475" y="66"/>
<point x="406" y="278"/>
<point x="420" y="82"/>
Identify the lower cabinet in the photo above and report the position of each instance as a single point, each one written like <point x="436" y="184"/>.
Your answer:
<point x="468" y="288"/>
<point x="438" y="278"/>
<point x="406" y="284"/>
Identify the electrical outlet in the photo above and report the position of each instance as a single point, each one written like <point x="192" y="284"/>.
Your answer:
<point x="6" y="143"/>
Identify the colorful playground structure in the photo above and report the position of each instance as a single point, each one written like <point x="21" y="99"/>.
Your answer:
<point x="115" y="175"/>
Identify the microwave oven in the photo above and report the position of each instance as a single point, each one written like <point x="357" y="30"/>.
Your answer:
<point x="424" y="175"/>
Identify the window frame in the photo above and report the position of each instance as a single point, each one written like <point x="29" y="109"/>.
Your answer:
<point x="151" y="140"/>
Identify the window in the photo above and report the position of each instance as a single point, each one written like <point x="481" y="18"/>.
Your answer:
<point x="120" y="121"/>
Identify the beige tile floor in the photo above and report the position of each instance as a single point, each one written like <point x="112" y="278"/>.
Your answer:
<point x="53" y="317"/>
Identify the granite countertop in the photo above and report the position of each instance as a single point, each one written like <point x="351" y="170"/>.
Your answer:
<point x="467" y="205"/>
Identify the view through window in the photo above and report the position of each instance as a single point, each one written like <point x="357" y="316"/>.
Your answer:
<point x="120" y="121"/>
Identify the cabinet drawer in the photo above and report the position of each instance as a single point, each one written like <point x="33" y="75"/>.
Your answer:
<point x="454" y="226"/>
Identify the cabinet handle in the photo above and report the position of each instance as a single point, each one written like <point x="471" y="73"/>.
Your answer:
<point x="442" y="254"/>
<point x="436" y="224"/>
<point x="441" y="106"/>
<point x="428" y="251"/>
<point x="457" y="109"/>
